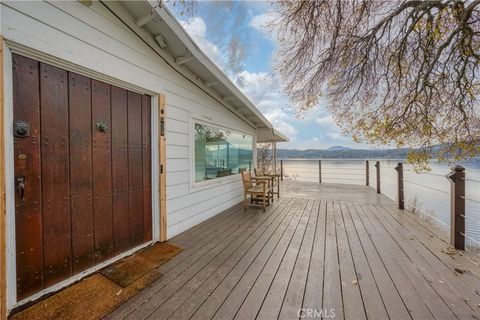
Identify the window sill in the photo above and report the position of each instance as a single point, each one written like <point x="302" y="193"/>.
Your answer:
<point x="207" y="184"/>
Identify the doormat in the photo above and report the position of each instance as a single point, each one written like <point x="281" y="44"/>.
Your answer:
<point x="127" y="271"/>
<point x="99" y="294"/>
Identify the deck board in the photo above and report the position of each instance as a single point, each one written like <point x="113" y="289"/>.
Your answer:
<point x="408" y="260"/>
<point x="313" y="297"/>
<point x="219" y="267"/>
<point x="332" y="283"/>
<point x="293" y="299"/>
<point x="272" y="303"/>
<point x="309" y="254"/>
<point x="255" y="283"/>
<point x="253" y="261"/>
<point x="217" y="285"/>
<point x="202" y="266"/>
<point x="373" y="303"/>
<point x="351" y="296"/>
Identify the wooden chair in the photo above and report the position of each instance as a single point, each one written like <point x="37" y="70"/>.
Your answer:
<point x="275" y="181"/>
<point x="257" y="189"/>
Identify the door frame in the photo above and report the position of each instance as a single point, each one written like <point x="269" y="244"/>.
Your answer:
<point x="157" y="179"/>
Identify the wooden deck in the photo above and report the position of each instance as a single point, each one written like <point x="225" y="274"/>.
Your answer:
<point x="346" y="251"/>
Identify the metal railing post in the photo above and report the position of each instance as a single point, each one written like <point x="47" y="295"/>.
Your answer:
<point x="457" y="213"/>
<point x="320" y="171"/>
<point x="401" y="199"/>
<point x="281" y="170"/>
<point x="367" y="173"/>
<point x="377" y="165"/>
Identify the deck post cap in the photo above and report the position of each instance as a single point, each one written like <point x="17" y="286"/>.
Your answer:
<point x="458" y="168"/>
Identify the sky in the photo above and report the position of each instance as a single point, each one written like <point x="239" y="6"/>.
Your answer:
<point x="235" y="35"/>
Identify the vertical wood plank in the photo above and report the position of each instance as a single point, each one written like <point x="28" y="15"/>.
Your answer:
<point x="332" y="283"/>
<point x="135" y="171"/>
<point x="81" y="201"/>
<point x="163" y="171"/>
<point x="147" y="166"/>
<point x="102" y="171"/>
<point x="121" y="223"/>
<point x="28" y="213"/>
<point x="3" y="245"/>
<point x="55" y="174"/>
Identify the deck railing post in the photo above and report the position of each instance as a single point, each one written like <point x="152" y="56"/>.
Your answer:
<point x="367" y="173"/>
<point x="377" y="165"/>
<point x="320" y="171"/>
<point x="281" y="170"/>
<point x="401" y="199"/>
<point x="457" y="213"/>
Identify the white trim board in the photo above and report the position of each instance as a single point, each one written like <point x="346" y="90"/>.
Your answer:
<point x="11" y="273"/>
<point x="155" y="190"/>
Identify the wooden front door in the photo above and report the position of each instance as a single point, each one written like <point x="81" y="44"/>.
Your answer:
<point x="82" y="172"/>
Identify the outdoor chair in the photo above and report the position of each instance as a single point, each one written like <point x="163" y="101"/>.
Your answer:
<point x="258" y="189"/>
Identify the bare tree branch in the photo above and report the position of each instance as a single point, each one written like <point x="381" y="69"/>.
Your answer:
<point x="401" y="72"/>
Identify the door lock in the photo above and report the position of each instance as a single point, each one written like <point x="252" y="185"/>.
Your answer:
<point x="21" y="187"/>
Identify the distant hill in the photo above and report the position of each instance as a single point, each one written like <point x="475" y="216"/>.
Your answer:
<point x="338" y="152"/>
<point x="338" y="148"/>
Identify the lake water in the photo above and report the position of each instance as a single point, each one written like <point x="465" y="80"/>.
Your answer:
<point x="426" y="193"/>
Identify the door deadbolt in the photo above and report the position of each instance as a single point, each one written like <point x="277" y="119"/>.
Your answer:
<point x="21" y="129"/>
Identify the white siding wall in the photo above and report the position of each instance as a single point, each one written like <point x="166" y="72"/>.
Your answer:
<point x="91" y="37"/>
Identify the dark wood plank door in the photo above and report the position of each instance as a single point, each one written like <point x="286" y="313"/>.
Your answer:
<point x="82" y="152"/>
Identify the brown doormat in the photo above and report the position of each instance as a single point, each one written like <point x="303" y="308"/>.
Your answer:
<point x="127" y="271"/>
<point x="96" y="296"/>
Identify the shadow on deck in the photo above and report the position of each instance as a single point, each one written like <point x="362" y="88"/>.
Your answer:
<point x="337" y="251"/>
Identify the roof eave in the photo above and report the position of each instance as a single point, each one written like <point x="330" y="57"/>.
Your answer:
<point x="168" y="17"/>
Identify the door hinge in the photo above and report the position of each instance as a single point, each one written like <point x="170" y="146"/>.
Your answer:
<point x="161" y="169"/>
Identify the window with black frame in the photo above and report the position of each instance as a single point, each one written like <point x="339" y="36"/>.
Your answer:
<point x="221" y="152"/>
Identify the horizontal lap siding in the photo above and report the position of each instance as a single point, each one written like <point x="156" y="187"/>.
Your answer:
<point x="188" y="206"/>
<point x="178" y="178"/>
<point x="93" y="38"/>
<point x="177" y="152"/>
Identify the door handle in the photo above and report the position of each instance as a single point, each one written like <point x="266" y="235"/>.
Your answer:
<point x="21" y="187"/>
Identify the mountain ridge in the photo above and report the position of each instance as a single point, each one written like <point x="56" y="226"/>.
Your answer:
<point x="340" y="152"/>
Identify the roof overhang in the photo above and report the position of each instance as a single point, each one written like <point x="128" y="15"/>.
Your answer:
<point x="272" y="135"/>
<point x="159" y="28"/>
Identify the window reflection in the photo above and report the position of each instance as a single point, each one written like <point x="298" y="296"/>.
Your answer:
<point x="221" y="152"/>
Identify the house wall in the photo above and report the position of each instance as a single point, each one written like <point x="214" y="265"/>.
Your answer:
<point x="93" y="38"/>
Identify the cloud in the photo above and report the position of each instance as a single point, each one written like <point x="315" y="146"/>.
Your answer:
<point x="263" y="23"/>
<point x="281" y="121"/>
<point x="324" y="121"/>
<point x="197" y="29"/>
<point x="309" y="130"/>
<point x="260" y="21"/>
<point x="263" y="89"/>
<point x="312" y="143"/>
